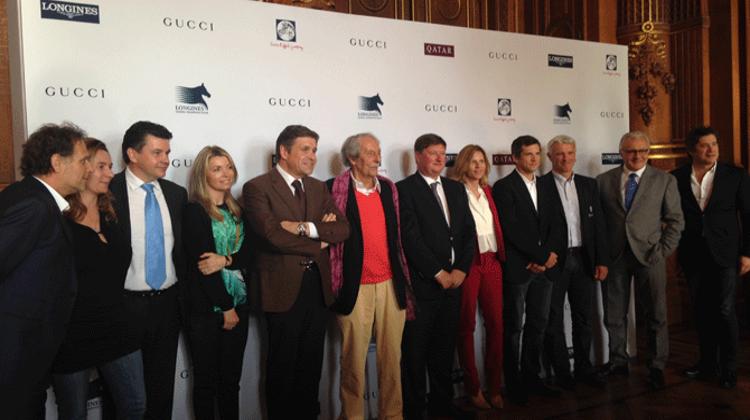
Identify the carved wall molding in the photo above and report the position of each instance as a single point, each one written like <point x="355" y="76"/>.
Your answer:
<point x="648" y="69"/>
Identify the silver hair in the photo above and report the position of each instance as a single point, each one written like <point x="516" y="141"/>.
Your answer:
<point x="351" y="146"/>
<point x="635" y="135"/>
<point x="560" y="139"/>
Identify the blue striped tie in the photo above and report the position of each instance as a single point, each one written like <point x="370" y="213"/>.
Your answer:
<point x="630" y="188"/>
<point x="156" y="270"/>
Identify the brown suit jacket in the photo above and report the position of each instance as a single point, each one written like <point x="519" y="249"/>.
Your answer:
<point x="280" y="255"/>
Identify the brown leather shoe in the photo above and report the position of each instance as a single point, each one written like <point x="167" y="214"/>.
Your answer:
<point x="497" y="401"/>
<point x="478" y="401"/>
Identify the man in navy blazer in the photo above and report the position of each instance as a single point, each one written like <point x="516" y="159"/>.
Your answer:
<point x="37" y="276"/>
<point x="438" y="233"/>
<point x="532" y="224"/>
<point x="152" y="308"/>
<point x="713" y="249"/>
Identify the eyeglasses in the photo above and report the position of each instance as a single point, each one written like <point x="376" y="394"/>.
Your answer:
<point x="636" y="151"/>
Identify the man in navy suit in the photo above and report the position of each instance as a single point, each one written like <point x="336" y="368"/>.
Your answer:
<point x="438" y="235"/>
<point x="532" y="224"/>
<point x="37" y="277"/>
<point x="149" y="211"/>
<point x="713" y="249"/>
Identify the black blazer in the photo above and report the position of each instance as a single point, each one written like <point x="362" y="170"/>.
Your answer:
<point x="205" y="292"/>
<point x="176" y="198"/>
<point x="719" y="224"/>
<point x="530" y="235"/>
<point x="593" y="228"/>
<point x="37" y="288"/>
<point x="428" y="239"/>
<point x="354" y="250"/>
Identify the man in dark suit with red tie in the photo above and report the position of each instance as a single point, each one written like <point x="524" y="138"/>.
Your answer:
<point x="713" y="250"/>
<point x="293" y="219"/>
<point x="438" y="233"/>
<point x="37" y="276"/>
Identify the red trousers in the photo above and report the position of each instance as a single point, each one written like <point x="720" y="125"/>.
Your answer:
<point x="483" y="284"/>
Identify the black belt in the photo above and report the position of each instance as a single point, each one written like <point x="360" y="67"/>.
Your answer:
<point x="147" y="293"/>
<point x="575" y="250"/>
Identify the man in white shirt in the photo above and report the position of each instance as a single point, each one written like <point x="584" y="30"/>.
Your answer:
<point x="37" y="275"/>
<point x="149" y="212"/>
<point x="713" y="250"/>
<point x="533" y="228"/>
<point x="641" y="207"/>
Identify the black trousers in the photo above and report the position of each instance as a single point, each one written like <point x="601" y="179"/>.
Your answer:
<point x="155" y="322"/>
<point x="532" y="299"/>
<point x="713" y="291"/>
<point x="296" y="339"/>
<point x="217" y="364"/>
<point x="429" y="344"/>
<point x="579" y="286"/>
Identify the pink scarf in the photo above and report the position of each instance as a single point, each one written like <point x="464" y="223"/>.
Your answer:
<point x="340" y="193"/>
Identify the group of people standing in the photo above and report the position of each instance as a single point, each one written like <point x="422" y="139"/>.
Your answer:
<point x="103" y="271"/>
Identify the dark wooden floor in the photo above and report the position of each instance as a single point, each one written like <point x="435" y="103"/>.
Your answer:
<point x="631" y="398"/>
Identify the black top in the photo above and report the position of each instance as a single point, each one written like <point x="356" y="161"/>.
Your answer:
<point x="96" y="332"/>
<point x="205" y="292"/>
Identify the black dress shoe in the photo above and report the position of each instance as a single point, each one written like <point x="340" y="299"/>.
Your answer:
<point x="610" y="369"/>
<point x="565" y="382"/>
<point x="656" y="378"/>
<point x="543" y="390"/>
<point x="728" y="380"/>
<point x="593" y="379"/>
<point x="700" y="373"/>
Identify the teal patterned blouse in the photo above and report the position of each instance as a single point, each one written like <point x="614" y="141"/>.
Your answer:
<point x="228" y="236"/>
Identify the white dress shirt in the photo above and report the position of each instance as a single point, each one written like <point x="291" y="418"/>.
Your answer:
<point x="312" y="231"/>
<point x="569" y="197"/>
<point x="61" y="202"/>
<point x="136" y="277"/>
<point x="531" y="186"/>
<point x="480" y="210"/>
<point x="702" y="190"/>
<point x="360" y="186"/>
<point x="624" y="179"/>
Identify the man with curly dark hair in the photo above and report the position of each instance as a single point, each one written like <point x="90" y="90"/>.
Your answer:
<point x="37" y="277"/>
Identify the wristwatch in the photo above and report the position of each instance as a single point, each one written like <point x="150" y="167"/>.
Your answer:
<point x="301" y="230"/>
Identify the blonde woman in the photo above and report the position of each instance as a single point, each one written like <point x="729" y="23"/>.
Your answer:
<point x="484" y="282"/>
<point x="217" y="251"/>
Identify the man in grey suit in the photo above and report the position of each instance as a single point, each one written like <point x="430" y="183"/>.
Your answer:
<point x="641" y="207"/>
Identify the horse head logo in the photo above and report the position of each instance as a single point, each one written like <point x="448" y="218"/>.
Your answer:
<point x="563" y="111"/>
<point x="370" y="103"/>
<point x="192" y="95"/>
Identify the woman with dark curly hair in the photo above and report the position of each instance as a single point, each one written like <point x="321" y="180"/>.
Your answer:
<point x="96" y="335"/>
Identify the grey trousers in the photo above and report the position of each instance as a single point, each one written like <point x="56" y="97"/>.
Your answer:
<point x="650" y="296"/>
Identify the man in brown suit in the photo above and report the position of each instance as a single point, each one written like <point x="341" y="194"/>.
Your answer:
<point x="293" y="219"/>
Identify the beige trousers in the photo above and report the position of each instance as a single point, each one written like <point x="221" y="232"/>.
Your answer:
<point x="376" y="312"/>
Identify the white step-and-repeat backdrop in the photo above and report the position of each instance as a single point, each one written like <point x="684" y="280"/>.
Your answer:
<point x="235" y="72"/>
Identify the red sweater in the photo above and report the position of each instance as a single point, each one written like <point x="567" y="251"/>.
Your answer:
<point x="376" y="266"/>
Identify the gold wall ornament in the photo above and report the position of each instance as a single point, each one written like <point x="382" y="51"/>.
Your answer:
<point x="647" y="54"/>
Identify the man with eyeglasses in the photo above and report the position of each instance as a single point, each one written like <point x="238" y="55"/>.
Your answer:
<point x="642" y="210"/>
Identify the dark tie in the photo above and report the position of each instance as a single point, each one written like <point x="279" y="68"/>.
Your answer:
<point x="434" y="187"/>
<point x="299" y="194"/>
<point x="630" y="188"/>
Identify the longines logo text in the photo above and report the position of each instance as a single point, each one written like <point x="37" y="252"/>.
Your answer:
<point x="564" y="61"/>
<point x="612" y="115"/>
<point x="611" y="159"/>
<point x="289" y="102"/>
<point x="562" y="114"/>
<point x="368" y="43"/>
<point x="503" y="55"/>
<point x="286" y="35"/>
<point x="74" y="92"/>
<point x="504" y="110"/>
<point x="191" y="24"/>
<point x="76" y="12"/>
<point x="190" y="99"/>
<point x="610" y="65"/>
<point x="369" y="107"/>
<point x="442" y="108"/>
<point x="439" y="50"/>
